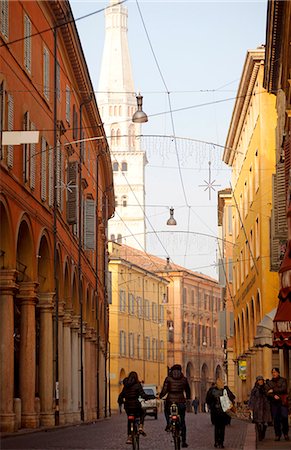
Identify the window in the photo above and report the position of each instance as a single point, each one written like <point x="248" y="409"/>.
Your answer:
<point x="139" y="307"/>
<point x="131" y="345"/>
<point x="116" y="201"/>
<point x="43" y="170"/>
<point x="154" y="312"/>
<point x="252" y="249"/>
<point x="118" y="136"/>
<point x="230" y="270"/>
<point x="112" y="237"/>
<point x="241" y="267"/>
<point x="10" y="127"/>
<point x="138" y="346"/>
<point x="122" y="302"/>
<point x="26" y="149"/>
<point x="124" y="166"/>
<point x="256" y="174"/>
<point x="184" y="296"/>
<point x="32" y="161"/>
<point x="147" y="309"/>
<point x="148" y="348"/>
<point x="162" y="355"/>
<point x="27" y="43"/>
<point x="75" y="125"/>
<point x="115" y="167"/>
<point x="162" y="314"/>
<point x="131" y="304"/>
<point x="68" y="104"/>
<point x="251" y="186"/>
<point x="154" y="349"/>
<point x="122" y="343"/>
<point x="46" y="73"/>
<point x="119" y="239"/>
<point x="245" y="199"/>
<point x="192" y="297"/>
<point x="124" y="200"/>
<point x="257" y="237"/>
<point x="4" y="19"/>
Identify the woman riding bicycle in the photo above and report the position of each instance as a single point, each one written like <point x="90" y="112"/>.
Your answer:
<point x="175" y="385"/>
<point x="132" y="390"/>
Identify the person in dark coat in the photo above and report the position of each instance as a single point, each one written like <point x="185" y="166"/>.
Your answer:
<point x="219" y="417"/>
<point x="130" y="394"/>
<point x="175" y="387"/>
<point x="195" y="404"/>
<point x="278" y="395"/>
<point x="260" y="407"/>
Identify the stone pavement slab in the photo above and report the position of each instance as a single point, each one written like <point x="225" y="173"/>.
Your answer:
<point x="110" y="434"/>
<point x="269" y="444"/>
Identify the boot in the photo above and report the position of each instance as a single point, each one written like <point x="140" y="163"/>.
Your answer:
<point x="141" y="430"/>
<point x="129" y="439"/>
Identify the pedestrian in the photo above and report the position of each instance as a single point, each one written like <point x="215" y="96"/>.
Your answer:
<point x="220" y="418"/>
<point x="278" y="395"/>
<point x="259" y="405"/>
<point x="195" y="404"/>
<point x="132" y="390"/>
<point x="176" y="386"/>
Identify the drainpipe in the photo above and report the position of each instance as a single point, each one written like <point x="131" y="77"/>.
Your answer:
<point x="97" y="291"/>
<point x="55" y="206"/>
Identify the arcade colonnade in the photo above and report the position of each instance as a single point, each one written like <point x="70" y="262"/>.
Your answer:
<point x="28" y="327"/>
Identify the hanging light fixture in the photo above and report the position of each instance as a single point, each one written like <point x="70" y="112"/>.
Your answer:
<point x="168" y="265"/>
<point x="171" y="220"/>
<point x="139" y="116"/>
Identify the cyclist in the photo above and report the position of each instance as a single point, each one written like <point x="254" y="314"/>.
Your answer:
<point x="132" y="390"/>
<point x="175" y="385"/>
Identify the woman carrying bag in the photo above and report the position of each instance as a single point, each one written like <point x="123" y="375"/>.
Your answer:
<point x="214" y="399"/>
<point x="260" y="407"/>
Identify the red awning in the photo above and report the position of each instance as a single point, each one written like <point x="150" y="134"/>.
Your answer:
<point x="282" y="320"/>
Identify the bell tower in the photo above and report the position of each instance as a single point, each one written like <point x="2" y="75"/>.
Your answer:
<point x="117" y="103"/>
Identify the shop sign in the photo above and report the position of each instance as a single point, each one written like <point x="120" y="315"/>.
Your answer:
<point x="242" y="369"/>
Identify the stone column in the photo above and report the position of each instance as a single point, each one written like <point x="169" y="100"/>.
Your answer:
<point x="75" y="368"/>
<point x="46" y="387"/>
<point x="61" y="360"/>
<point x="8" y="288"/>
<point x="87" y="374"/>
<point x="28" y="298"/>
<point x="93" y="375"/>
<point x="67" y="367"/>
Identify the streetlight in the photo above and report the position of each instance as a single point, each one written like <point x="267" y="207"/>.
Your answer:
<point x="171" y="220"/>
<point x="139" y="116"/>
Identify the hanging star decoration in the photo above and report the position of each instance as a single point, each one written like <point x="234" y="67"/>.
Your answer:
<point x="209" y="184"/>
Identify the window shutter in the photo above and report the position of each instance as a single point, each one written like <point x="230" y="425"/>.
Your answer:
<point x="4" y="23"/>
<point x="43" y="180"/>
<point x="46" y="73"/>
<point x="10" y="128"/>
<point x="109" y="287"/>
<point x="281" y="198"/>
<point x="221" y="267"/>
<point x="72" y="190"/>
<point x="58" y="81"/>
<point x="90" y="224"/>
<point x="2" y="115"/>
<point x="27" y="43"/>
<point x="26" y="149"/>
<point x="58" y="173"/>
<point x="32" y="162"/>
<point x="51" y="177"/>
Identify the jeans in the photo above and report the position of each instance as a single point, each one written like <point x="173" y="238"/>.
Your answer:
<point x="219" y="429"/>
<point x="280" y="418"/>
<point x="182" y="412"/>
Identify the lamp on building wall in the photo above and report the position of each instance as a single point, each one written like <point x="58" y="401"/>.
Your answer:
<point x="168" y="265"/>
<point x="204" y="343"/>
<point x="171" y="220"/>
<point x="139" y="116"/>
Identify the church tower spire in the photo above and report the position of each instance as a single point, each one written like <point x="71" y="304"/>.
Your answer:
<point x="117" y="104"/>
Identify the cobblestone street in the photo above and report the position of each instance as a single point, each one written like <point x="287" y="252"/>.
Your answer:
<point x="110" y="434"/>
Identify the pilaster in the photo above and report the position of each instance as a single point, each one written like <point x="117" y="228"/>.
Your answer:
<point x="67" y="401"/>
<point x="27" y="297"/>
<point x="75" y="325"/>
<point x="8" y="288"/>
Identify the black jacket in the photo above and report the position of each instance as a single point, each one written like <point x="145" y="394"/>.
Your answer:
<point x="175" y="385"/>
<point x="213" y="400"/>
<point x="278" y="386"/>
<point x="130" y="394"/>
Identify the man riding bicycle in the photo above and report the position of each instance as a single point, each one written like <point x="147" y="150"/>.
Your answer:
<point x="132" y="390"/>
<point x="175" y="385"/>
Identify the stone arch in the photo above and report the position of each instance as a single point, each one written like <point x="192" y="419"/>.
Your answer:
<point x="203" y="383"/>
<point x="190" y="376"/>
<point x="45" y="272"/>
<point x="7" y="252"/>
<point x="25" y="251"/>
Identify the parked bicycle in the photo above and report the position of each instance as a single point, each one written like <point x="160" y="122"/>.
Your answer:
<point x="175" y="426"/>
<point x="134" y="433"/>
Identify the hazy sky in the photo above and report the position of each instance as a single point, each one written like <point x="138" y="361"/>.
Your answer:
<point x="199" y="52"/>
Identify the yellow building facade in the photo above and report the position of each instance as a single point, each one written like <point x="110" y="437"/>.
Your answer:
<point x="137" y="323"/>
<point x="250" y="151"/>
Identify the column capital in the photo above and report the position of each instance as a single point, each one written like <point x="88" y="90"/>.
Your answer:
<point x="75" y="322"/>
<point x="46" y="300"/>
<point x="28" y="292"/>
<point x="8" y="280"/>
<point x="68" y="320"/>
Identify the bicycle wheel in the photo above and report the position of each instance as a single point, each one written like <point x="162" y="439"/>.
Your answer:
<point x="177" y="439"/>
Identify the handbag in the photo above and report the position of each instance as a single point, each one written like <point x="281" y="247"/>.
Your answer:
<point x="225" y="402"/>
<point x="284" y="399"/>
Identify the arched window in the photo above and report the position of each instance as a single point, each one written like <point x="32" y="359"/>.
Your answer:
<point x="112" y="136"/>
<point x="116" y="201"/>
<point x="118" y="136"/>
<point x="112" y="237"/>
<point x="110" y="110"/>
<point x="124" y="200"/>
<point x="119" y="239"/>
<point x="115" y="167"/>
<point x="115" y="110"/>
<point x="124" y="166"/>
<point x="119" y="110"/>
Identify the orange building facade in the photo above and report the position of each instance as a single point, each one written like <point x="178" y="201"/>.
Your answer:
<point x="56" y="196"/>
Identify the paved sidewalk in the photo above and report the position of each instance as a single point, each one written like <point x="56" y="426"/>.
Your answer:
<point x="269" y="444"/>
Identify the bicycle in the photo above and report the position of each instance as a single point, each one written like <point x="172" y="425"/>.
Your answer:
<point x="175" y="426"/>
<point x="134" y="424"/>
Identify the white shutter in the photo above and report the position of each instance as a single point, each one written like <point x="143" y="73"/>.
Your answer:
<point x="90" y="224"/>
<point x="32" y="162"/>
<point x="72" y="198"/>
<point x="46" y="73"/>
<point x="10" y="127"/>
<point x="43" y="176"/>
<point x="4" y="19"/>
<point x="27" y="43"/>
<point x="281" y="198"/>
<point x="51" y="177"/>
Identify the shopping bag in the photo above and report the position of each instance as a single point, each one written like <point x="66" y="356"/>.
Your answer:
<point x="225" y="402"/>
